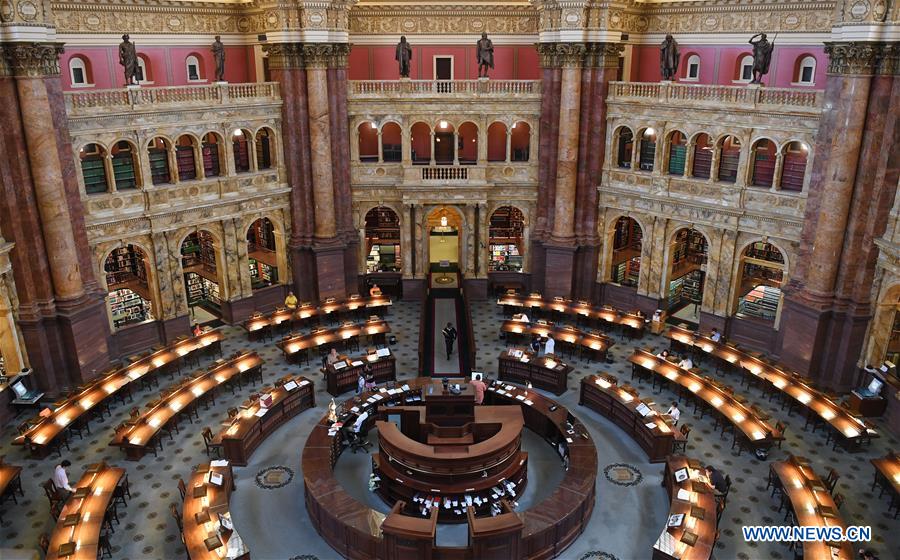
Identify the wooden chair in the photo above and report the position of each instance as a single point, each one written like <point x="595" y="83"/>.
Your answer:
<point x="173" y="509"/>
<point x="105" y="547"/>
<point x="44" y="543"/>
<point x="56" y="509"/>
<point x="838" y="500"/>
<point x="831" y="480"/>
<point x="780" y="428"/>
<point x="50" y="490"/>
<point x="121" y="490"/>
<point x="182" y="488"/>
<point x="681" y="444"/>
<point x="211" y="448"/>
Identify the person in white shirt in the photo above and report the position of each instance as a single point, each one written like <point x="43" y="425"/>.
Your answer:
<point x="521" y="317"/>
<point x="686" y="363"/>
<point x="550" y="345"/>
<point x="61" y="477"/>
<point x="674" y="412"/>
<point x="715" y="335"/>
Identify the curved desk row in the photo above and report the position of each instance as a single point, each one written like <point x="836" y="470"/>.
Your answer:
<point x="343" y="375"/>
<point x="691" y="528"/>
<point x="844" y="423"/>
<point x="580" y="309"/>
<point x="294" y="345"/>
<point x="96" y="394"/>
<point x="593" y="343"/>
<point x="544" y="372"/>
<point x="654" y="432"/>
<point x="207" y="526"/>
<point x="305" y="311"/>
<point x="354" y="530"/>
<point x="138" y="438"/>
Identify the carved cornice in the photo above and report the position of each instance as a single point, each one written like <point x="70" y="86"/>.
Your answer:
<point x="426" y="19"/>
<point x="307" y="55"/>
<point x="284" y="56"/>
<point x="33" y="60"/>
<point x="602" y="55"/>
<point x="852" y="58"/>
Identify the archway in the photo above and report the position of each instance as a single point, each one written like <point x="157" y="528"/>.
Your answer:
<point x="496" y="142"/>
<point x="382" y="240"/>
<point x="688" y="252"/>
<point x="468" y="143"/>
<point x="262" y="253"/>
<point x="124" y="163"/>
<point x="793" y="170"/>
<point x="202" y="283"/>
<point x="759" y="284"/>
<point x="158" y="154"/>
<point x="93" y="168"/>
<point x="391" y="142"/>
<point x="420" y="144"/>
<point x="128" y="283"/>
<point x="624" y="147"/>
<point x="444" y="143"/>
<point x="241" y="146"/>
<point x="367" y="138"/>
<point x="763" y="171"/>
<point x="444" y="241"/>
<point x="627" y="243"/>
<point x="702" y="156"/>
<point x="729" y="158"/>
<point x="520" y="141"/>
<point x="212" y="154"/>
<point x="265" y="149"/>
<point x="506" y="237"/>
<point x="647" y="153"/>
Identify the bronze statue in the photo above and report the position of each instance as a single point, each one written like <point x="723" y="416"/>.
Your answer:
<point x="762" y="56"/>
<point x="484" y="54"/>
<point x="403" y="55"/>
<point x="129" y="60"/>
<point x="668" y="58"/>
<point x="218" y="50"/>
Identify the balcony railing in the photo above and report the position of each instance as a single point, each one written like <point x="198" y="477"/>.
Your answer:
<point x="104" y="100"/>
<point x="389" y="89"/>
<point x="445" y="173"/>
<point x="717" y="96"/>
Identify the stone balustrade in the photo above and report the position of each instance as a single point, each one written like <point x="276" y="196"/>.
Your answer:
<point x="94" y="102"/>
<point x="745" y="97"/>
<point x="454" y="89"/>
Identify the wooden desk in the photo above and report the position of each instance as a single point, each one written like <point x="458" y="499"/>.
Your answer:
<point x="342" y="378"/>
<point x="813" y="506"/>
<point x="758" y="433"/>
<point x="580" y="309"/>
<point x="10" y="479"/>
<point x="887" y="473"/>
<point x="849" y="427"/>
<point x="243" y="434"/>
<point x="592" y="343"/>
<point x="370" y="304"/>
<point x="137" y="439"/>
<point x="653" y="431"/>
<point x="204" y="537"/>
<point x="82" y="538"/>
<point x="699" y="511"/>
<point x="293" y="345"/>
<point x="544" y="372"/>
<point x="40" y="436"/>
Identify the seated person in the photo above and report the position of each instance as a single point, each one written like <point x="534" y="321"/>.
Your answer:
<point x="521" y="317"/>
<point x="664" y="354"/>
<point x="290" y="301"/>
<point x="716" y="479"/>
<point x="332" y="357"/>
<point x="374" y="290"/>
<point x="715" y="335"/>
<point x="686" y="363"/>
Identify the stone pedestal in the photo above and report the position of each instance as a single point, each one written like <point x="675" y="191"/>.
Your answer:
<point x="329" y="271"/>
<point x="560" y="262"/>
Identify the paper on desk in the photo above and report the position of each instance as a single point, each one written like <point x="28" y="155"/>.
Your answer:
<point x="529" y="402"/>
<point x="666" y="543"/>
<point x="650" y="425"/>
<point x="520" y="397"/>
<point x="290" y="385"/>
<point x="683" y="494"/>
<point x="219" y="463"/>
<point x="339" y="365"/>
<point x="304" y="383"/>
<point x="382" y="352"/>
<point x="356" y="363"/>
<point x="405" y="387"/>
<point x="261" y="412"/>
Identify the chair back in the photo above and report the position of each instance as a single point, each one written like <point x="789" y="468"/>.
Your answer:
<point x="207" y="435"/>
<point x="685" y="430"/>
<point x="838" y="500"/>
<point x="44" y="542"/>
<point x="182" y="488"/>
<point x="173" y="509"/>
<point x="50" y="490"/>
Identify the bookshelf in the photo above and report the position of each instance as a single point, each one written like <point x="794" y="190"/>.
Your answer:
<point x="765" y="252"/>
<point x="201" y="290"/>
<point x="793" y="171"/>
<point x="702" y="162"/>
<point x="123" y="167"/>
<point x="626" y="145"/>
<point x="760" y="302"/>
<point x="94" y="173"/>
<point x="128" y="307"/>
<point x="677" y="159"/>
<point x="763" y="169"/>
<point x="647" y="155"/>
<point x="507" y="222"/>
<point x="685" y="290"/>
<point x="159" y="165"/>
<point x="262" y="274"/>
<point x="505" y="257"/>
<point x="184" y="160"/>
<point x="728" y="163"/>
<point x="383" y="241"/>
<point x="241" y="154"/>
<point x="627" y="273"/>
<point x="211" y="165"/>
<point x="263" y="151"/>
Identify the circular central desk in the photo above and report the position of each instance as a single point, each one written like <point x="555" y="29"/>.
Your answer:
<point x="359" y="532"/>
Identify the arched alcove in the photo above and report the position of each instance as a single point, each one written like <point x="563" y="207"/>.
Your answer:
<point x="506" y="239"/>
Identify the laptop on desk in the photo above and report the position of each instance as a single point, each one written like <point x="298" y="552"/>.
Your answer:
<point x="23" y="395"/>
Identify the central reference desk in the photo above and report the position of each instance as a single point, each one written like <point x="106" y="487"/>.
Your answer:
<point x="544" y="372"/>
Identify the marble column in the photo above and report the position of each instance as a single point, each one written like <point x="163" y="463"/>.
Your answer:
<point x="320" y="144"/>
<point x="567" y="151"/>
<point x="407" y="249"/>
<point x="471" y="234"/>
<point x="779" y="168"/>
<point x="688" y="159"/>
<point x="483" y="248"/>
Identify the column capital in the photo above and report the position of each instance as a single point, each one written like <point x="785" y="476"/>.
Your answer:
<point x="851" y="58"/>
<point x="307" y="55"/>
<point x="889" y="62"/>
<point x="588" y="54"/>
<point x="284" y="56"/>
<point x="32" y="60"/>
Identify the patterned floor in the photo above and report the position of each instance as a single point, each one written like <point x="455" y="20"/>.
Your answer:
<point x="268" y="508"/>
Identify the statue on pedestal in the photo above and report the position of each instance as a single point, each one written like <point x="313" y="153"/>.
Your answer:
<point x="762" y="56"/>
<point x="218" y="51"/>
<point x="484" y="54"/>
<point x="669" y="58"/>
<point x="403" y="55"/>
<point x="129" y="60"/>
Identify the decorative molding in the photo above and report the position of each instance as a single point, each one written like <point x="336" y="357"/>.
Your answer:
<point x="443" y="19"/>
<point x="33" y="60"/>
<point x="889" y="60"/>
<point x="602" y="55"/>
<point x="284" y="56"/>
<point x="853" y="58"/>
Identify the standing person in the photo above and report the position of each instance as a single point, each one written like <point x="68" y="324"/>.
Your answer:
<point x="61" y="479"/>
<point x="550" y="345"/>
<point x="370" y="377"/>
<point x="197" y="330"/>
<point x="535" y="344"/>
<point x="332" y="357"/>
<point x="674" y="412"/>
<point x="479" y="387"/>
<point x="449" y="338"/>
<point x="361" y="382"/>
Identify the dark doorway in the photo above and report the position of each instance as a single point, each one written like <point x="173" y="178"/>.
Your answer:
<point x="443" y="147"/>
<point x="443" y="70"/>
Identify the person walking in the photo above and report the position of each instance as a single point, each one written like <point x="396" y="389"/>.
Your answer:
<point x="449" y="338"/>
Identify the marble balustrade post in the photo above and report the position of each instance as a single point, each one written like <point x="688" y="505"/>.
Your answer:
<point x="688" y="159"/>
<point x="508" y="145"/>
<point x="110" y="174"/>
<point x="432" y="139"/>
<point x="779" y="168"/>
<point x="380" y="147"/>
<point x="483" y="248"/>
<point x="470" y="241"/>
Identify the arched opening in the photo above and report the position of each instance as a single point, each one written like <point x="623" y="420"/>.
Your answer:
<point x="128" y="284"/>
<point x="520" y="141"/>
<point x="692" y="68"/>
<point x="261" y="250"/>
<point x="647" y="154"/>
<point x="444" y="149"/>
<point x="793" y="166"/>
<point x="806" y="71"/>
<point x="391" y="143"/>
<point x="496" y="142"/>
<point x="158" y="153"/>
<point x="368" y="142"/>
<point x="382" y="240"/>
<point x="444" y="226"/>
<point x="729" y="159"/>
<point x="688" y="252"/>
<point x="702" y="157"/>
<point x="626" y="252"/>
<point x="185" y="157"/>
<point x="144" y="70"/>
<point x="884" y="328"/>
<point x="420" y="144"/>
<point x="241" y="146"/>
<point x="194" y="68"/>
<point x="201" y="275"/>
<point x="624" y="147"/>
<point x="468" y="143"/>
<point x="93" y="168"/>
<point x="125" y="165"/>
<point x="763" y="163"/>
<point x="677" y="153"/>
<point x="761" y="278"/>
<point x="744" y="71"/>
<point x="212" y="154"/>
<point x="506" y="237"/>
<point x="80" y="72"/>
<point x="265" y="149"/>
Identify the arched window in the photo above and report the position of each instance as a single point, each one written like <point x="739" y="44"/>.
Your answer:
<point x="265" y="146"/>
<point x="648" y="149"/>
<point x="729" y="159"/>
<point x="745" y="69"/>
<point x="185" y="158"/>
<point x="201" y="271"/>
<point x="763" y="163"/>
<point x="468" y="143"/>
<point x="261" y="250"/>
<point x="692" y="69"/>
<point x="761" y="278"/>
<point x="241" y="146"/>
<point x="79" y="72"/>
<point x="496" y="142"/>
<point x="624" y="148"/>
<point x="128" y="283"/>
<point x="506" y="237"/>
<point x="382" y="241"/>
<point x="212" y="146"/>
<point x="145" y="75"/>
<point x="192" y="63"/>
<point x="626" y="252"/>
<point x="125" y="165"/>
<point x="158" y="152"/>
<point x="793" y="165"/>
<point x="677" y="153"/>
<point x="520" y="140"/>
<point x="391" y="142"/>
<point x="93" y="168"/>
<point x="806" y="72"/>
<point x="703" y="151"/>
<point x="368" y="142"/>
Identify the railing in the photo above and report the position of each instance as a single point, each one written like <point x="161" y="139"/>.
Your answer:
<point x="445" y="173"/>
<point x="747" y="96"/>
<point x="89" y="102"/>
<point x="367" y="89"/>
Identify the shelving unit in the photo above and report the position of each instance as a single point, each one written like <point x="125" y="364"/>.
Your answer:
<point x="702" y="162"/>
<point x="126" y="278"/>
<point x="760" y="302"/>
<point x="685" y="290"/>
<point x="263" y="151"/>
<point x="241" y="154"/>
<point x="94" y="173"/>
<point x="627" y="273"/>
<point x="211" y="166"/>
<point x="123" y="167"/>
<point x="647" y="155"/>
<point x="677" y="159"/>
<point x="201" y="290"/>
<point x="159" y="165"/>
<point x="763" y="166"/>
<point x="383" y="241"/>
<point x="506" y="232"/>
<point x="128" y="307"/>
<point x="184" y="159"/>
<point x="793" y="171"/>
<point x="728" y="163"/>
